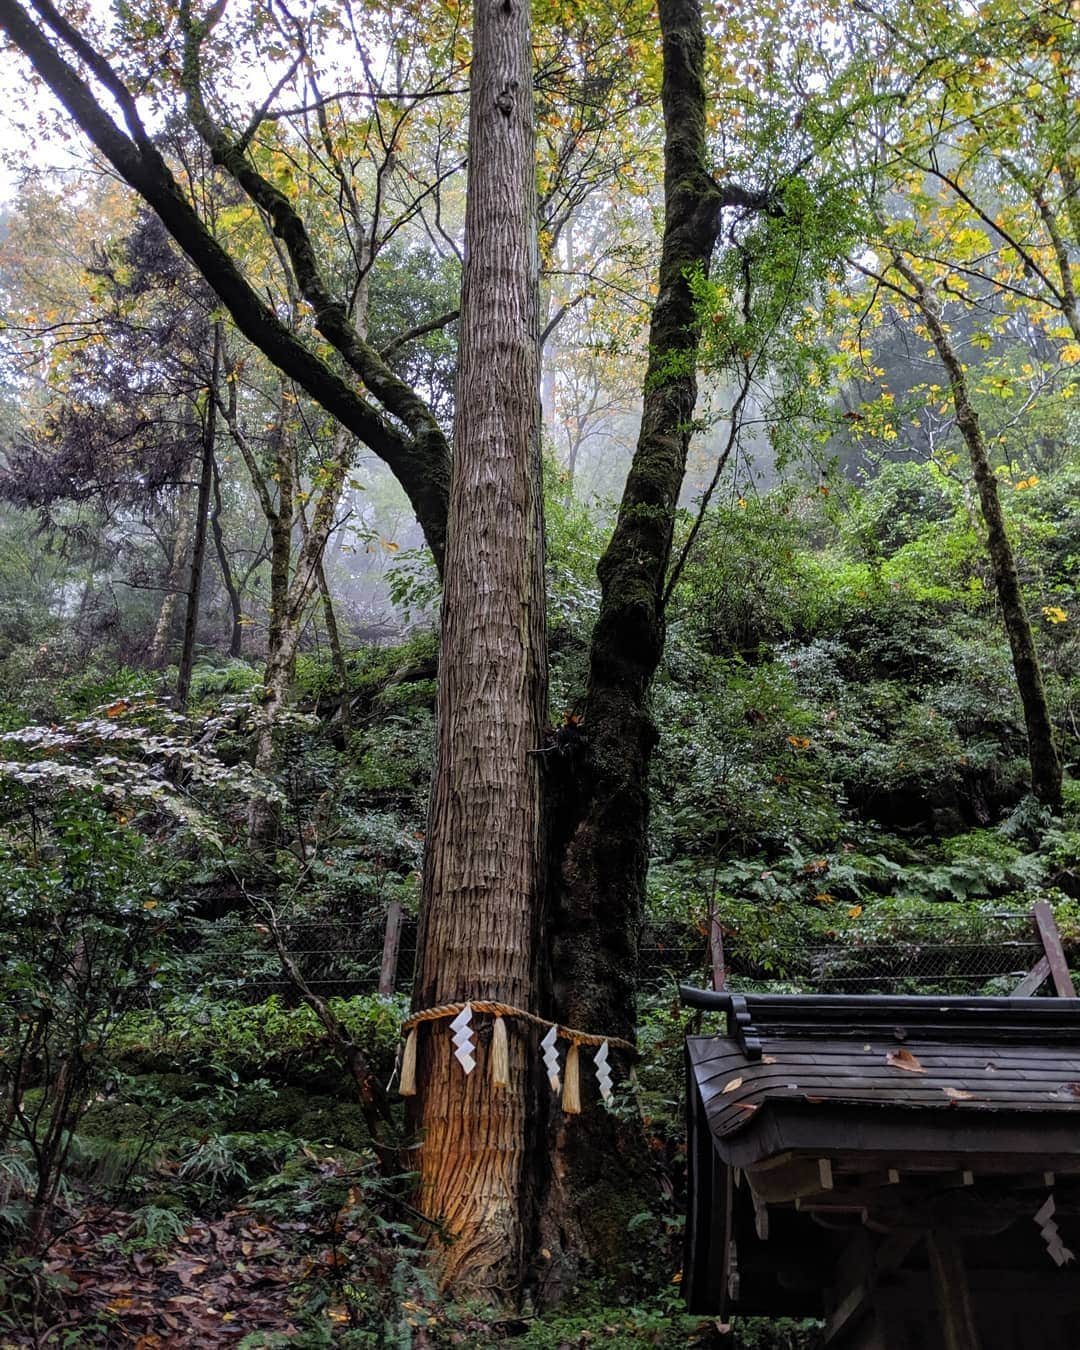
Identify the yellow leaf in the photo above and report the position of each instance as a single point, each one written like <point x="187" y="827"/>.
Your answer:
<point x="732" y="1086"/>
<point x="904" y="1059"/>
<point x="149" y="904"/>
<point x="1055" y="614"/>
<point x="854" y="911"/>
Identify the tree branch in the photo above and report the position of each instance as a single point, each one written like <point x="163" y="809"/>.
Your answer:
<point x="421" y="463"/>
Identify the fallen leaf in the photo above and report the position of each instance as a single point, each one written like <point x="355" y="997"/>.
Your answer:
<point x="957" y="1094"/>
<point x="904" y="1059"/>
<point x="748" y="1107"/>
<point x="768" y="1059"/>
<point x="733" y="1086"/>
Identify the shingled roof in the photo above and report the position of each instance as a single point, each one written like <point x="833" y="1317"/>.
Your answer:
<point x="813" y="1116"/>
<point x="966" y="1055"/>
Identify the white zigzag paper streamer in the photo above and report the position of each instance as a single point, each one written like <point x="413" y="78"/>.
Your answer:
<point x="463" y="1038"/>
<point x="551" y="1058"/>
<point x="603" y="1073"/>
<point x="1058" y="1252"/>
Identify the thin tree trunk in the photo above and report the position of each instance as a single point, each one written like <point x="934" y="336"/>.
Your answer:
<point x="198" y="549"/>
<point x="159" y="645"/>
<point x="333" y="632"/>
<point x="236" y="629"/>
<point x="280" y="645"/>
<point x="337" y="651"/>
<point x="600" y="1173"/>
<point x="482" y="872"/>
<point x="1042" y="751"/>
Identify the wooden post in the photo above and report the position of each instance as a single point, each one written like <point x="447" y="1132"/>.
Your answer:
<point x="388" y="970"/>
<point x="1055" y="953"/>
<point x="1052" y="962"/>
<point x="949" y="1281"/>
<point x="716" y="951"/>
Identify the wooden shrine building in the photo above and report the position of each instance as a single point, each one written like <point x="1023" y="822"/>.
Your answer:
<point x="906" y="1168"/>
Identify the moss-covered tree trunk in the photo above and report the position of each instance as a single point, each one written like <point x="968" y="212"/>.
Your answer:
<point x="1042" y="750"/>
<point x="599" y="1179"/>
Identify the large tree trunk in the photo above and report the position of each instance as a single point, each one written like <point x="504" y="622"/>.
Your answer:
<point x="599" y="1174"/>
<point x="1042" y="751"/>
<point x="482" y="874"/>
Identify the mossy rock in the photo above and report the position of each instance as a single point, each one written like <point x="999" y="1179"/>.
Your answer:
<point x="302" y="1115"/>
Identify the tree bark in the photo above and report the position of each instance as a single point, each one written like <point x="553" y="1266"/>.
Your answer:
<point x="198" y="548"/>
<point x="482" y="873"/>
<point x="337" y="651"/>
<point x="1042" y="750"/>
<point x="158" y="655"/>
<point x="236" y="625"/>
<point x="599" y="1174"/>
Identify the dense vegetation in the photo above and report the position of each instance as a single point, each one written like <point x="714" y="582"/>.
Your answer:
<point x="843" y="653"/>
<point x="842" y="768"/>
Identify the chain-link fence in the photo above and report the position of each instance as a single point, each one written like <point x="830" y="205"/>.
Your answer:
<point x="236" y="957"/>
<point x="876" y="959"/>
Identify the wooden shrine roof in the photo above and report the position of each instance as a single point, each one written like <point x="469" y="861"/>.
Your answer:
<point x="881" y="1071"/>
<point x="816" y="1118"/>
<point x="966" y="1055"/>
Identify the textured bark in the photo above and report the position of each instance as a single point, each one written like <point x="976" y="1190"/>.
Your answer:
<point x="158" y="655"/>
<point x="198" y="547"/>
<point x="481" y="877"/>
<point x="337" y="651"/>
<point x="236" y="624"/>
<point x="1042" y="751"/>
<point x="599" y="1174"/>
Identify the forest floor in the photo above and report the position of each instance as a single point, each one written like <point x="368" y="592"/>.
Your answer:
<point x="217" y="1282"/>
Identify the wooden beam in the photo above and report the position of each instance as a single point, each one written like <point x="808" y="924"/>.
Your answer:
<point x="761" y="1218"/>
<point x="802" y="1176"/>
<point x="1033" y="979"/>
<point x="1055" y="953"/>
<point x="948" y="1277"/>
<point x="391" y="941"/>
<point x="868" y="1180"/>
<point x="851" y="1307"/>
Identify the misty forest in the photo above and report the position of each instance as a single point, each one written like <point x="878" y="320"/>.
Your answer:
<point x="502" y="514"/>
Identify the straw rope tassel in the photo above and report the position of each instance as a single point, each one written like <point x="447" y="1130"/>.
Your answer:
<point x="407" y="1085"/>
<point x="500" y="1055"/>
<point x="571" y="1093"/>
